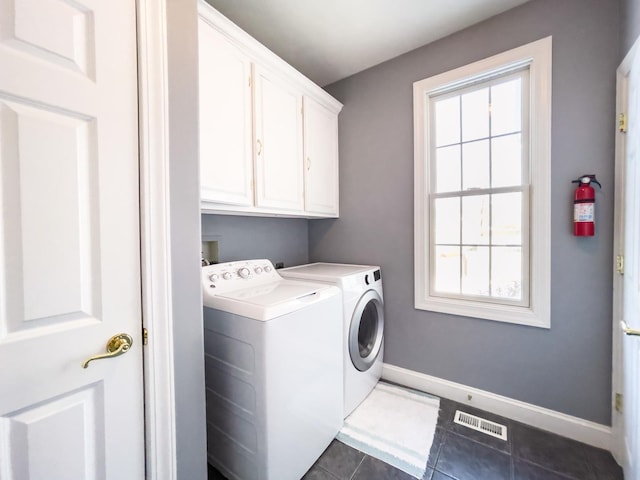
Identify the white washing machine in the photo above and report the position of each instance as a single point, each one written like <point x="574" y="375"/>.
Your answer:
<point x="273" y="366"/>
<point x="363" y="315"/>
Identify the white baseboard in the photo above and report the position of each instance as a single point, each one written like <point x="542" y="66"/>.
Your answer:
<point x="562" y="424"/>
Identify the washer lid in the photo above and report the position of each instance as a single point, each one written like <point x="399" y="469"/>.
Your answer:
<point x="270" y="300"/>
<point x="325" y="271"/>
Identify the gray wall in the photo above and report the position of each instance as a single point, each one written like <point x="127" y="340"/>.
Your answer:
<point x="566" y="368"/>
<point x="188" y="354"/>
<point x="630" y="14"/>
<point x="242" y="238"/>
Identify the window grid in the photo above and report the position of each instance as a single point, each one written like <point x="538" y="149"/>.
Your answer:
<point x="478" y="192"/>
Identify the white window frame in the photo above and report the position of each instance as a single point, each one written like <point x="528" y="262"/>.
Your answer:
<point x="536" y="57"/>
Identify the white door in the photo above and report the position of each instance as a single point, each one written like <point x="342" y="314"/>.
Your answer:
<point x="278" y="130"/>
<point x="321" y="158"/>
<point x="226" y="126"/>
<point x="627" y="299"/>
<point x="69" y="241"/>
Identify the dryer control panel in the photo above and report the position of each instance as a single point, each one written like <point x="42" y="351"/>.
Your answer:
<point x="225" y="277"/>
<point x="370" y="277"/>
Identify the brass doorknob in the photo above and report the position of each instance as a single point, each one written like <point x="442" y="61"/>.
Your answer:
<point x="116" y="346"/>
<point x="628" y="330"/>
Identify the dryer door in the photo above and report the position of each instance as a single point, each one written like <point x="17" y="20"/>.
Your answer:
<point x="365" y="331"/>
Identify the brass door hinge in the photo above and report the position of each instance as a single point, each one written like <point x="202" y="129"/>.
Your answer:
<point x="618" y="402"/>
<point x="622" y="123"/>
<point x="620" y="264"/>
<point x="145" y="336"/>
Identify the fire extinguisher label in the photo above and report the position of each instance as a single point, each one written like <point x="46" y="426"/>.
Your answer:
<point x="583" y="212"/>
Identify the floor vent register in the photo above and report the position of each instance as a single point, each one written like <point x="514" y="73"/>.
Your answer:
<point x="481" y="425"/>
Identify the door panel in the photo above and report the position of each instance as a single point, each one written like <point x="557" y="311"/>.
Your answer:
<point x="69" y="241"/>
<point x="631" y="292"/>
<point x="69" y="43"/>
<point x="626" y="421"/>
<point x="50" y="215"/>
<point x="76" y="419"/>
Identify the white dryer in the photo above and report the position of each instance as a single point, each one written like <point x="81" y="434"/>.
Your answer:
<point x="363" y="315"/>
<point x="273" y="367"/>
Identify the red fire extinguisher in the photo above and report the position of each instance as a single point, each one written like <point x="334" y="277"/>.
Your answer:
<point x="584" y="201"/>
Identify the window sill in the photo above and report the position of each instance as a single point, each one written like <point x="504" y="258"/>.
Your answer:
<point x="502" y="313"/>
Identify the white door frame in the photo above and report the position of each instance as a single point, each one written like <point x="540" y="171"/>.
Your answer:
<point x="617" y="440"/>
<point x="155" y="240"/>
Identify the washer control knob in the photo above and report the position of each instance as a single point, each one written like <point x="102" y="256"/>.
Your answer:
<point x="244" y="272"/>
<point x="258" y="270"/>
<point x="226" y="276"/>
<point x="267" y="268"/>
<point x="214" y="277"/>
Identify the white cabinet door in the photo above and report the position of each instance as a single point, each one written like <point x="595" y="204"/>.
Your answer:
<point x="226" y="156"/>
<point x="321" y="158"/>
<point x="278" y="129"/>
<point x="69" y="241"/>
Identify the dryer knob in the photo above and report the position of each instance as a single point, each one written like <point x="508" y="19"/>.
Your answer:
<point x="267" y="268"/>
<point x="244" y="272"/>
<point x="226" y="276"/>
<point x="258" y="270"/>
<point x="214" y="277"/>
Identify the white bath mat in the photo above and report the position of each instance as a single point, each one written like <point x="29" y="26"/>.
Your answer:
<point x="395" y="425"/>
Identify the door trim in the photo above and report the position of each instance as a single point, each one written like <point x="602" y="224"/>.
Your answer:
<point x="622" y="73"/>
<point x="159" y="384"/>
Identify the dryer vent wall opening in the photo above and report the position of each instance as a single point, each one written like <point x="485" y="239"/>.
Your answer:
<point x="481" y="425"/>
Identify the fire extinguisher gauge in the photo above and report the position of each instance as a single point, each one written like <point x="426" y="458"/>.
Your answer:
<point x="587" y="179"/>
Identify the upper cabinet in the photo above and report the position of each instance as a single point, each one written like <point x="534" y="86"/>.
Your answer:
<point x="321" y="158"/>
<point x="278" y="130"/>
<point x="226" y="130"/>
<point x="268" y="135"/>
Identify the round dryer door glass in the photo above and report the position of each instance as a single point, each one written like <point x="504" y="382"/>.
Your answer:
<point x="365" y="331"/>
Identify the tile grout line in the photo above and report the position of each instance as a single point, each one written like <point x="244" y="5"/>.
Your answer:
<point x="592" y="468"/>
<point x="435" y="463"/>
<point x="551" y="470"/>
<point x="442" y="442"/>
<point x="479" y="442"/>
<point x="356" y="470"/>
<point x="327" y="471"/>
<point x="512" y="467"/>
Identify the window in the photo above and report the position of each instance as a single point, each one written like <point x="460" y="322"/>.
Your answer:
<point x="482" y="162"/>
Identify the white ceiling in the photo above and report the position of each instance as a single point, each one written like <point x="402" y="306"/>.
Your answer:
<point x="328" y="40"/>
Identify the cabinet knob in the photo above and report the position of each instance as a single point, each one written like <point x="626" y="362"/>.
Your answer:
<point x="259" y="142"/>
<point x="308" y="164"/>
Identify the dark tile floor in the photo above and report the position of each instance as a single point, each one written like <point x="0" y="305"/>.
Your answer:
<point x="460" y="453"/>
